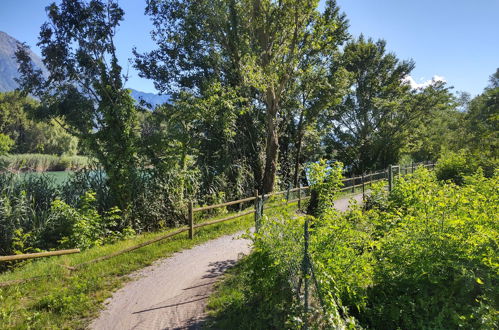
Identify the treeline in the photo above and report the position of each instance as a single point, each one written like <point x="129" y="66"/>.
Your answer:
<point x="259" y="89"/>
<point x="28" y="144"/>
<point x="20" y="133"/>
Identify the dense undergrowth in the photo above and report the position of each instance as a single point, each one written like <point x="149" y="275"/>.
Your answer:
<point x="424" y="256"/>
<point x="37" y="213"/>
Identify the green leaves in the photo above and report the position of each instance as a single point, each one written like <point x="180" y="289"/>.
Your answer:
<point x="424" y="256"/>
<point x="5" y="144"/>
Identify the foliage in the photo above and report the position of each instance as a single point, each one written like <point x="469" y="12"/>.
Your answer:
<point x="85" y="88"/>
<point x="6" y="144"/>
<point x="482" y="120"/>
<point x="36" y="214"/>
<point x="423" y="256"/>
<point x="234" y="42"/>
<point x="455" y="166"/>
<point x="28" y="135"/>
<point x="267" y="280"/>
<point x="438" y="131"/>
<point x="325" y="180"/>
<point x="379" y="110"/>
<point x="84" y="227"/>
<point x="464" y="124"/>
<point x="436" y="265"/>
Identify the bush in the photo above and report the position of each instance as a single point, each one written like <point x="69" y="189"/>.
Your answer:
<point x="453" y="166"/>
<point x="5" y="144"/>
<point x="36" y="214"/>
<point x="424" y="256"/>
<point x="436" y="259"/>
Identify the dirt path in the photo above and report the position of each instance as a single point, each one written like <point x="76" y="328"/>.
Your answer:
<point x="172" y="293"/>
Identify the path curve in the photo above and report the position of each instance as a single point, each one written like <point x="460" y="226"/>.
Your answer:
<point x="172" y="293"/>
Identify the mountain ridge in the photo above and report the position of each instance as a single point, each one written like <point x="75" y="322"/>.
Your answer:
<point x="9" y="66"/>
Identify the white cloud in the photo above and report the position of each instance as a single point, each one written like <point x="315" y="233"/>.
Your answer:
<point x="414" y="85"/>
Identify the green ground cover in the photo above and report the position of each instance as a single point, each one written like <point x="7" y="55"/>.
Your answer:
<point x="71" y="299"/>
<point x="424" y="256"/>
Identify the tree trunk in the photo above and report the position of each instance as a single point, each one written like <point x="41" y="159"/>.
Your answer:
<point x="272" y="146"/>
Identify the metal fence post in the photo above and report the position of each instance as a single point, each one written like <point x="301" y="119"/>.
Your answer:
<point x="191" y="221"/>
<point x="390" y="178"/>
<point x="305" y="275"/>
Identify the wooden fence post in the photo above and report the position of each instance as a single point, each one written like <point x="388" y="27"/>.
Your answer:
<point x="353" y="184"/>
<point x="363" y="188"/>
<point x="287" y="193"/>
<point x="191" y="221"/>
<point x="390" y="178"/>
<point x="299" y="196"/>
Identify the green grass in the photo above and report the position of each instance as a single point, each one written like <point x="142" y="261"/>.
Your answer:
<point x="228" y="307"/>
<point x="72" y="299"/>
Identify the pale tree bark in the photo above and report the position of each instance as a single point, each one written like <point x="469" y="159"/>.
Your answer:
<point x="272" y="145"/>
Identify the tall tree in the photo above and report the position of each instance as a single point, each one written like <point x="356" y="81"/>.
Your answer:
<point x="85" y="86"/>
<point x="372" y="119"/>
<point x="482" y="119"/>
<point x="257" y="46"/>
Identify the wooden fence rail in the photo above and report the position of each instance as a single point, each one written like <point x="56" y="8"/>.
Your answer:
<point x="364" y="179"/>
<point x="38" y="255"/>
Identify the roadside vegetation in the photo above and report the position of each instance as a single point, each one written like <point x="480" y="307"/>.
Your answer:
<point x="60" y="298"/>
<point x="424" y="255"/>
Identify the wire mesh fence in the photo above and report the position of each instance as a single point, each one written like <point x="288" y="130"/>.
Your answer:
<point x="318" y="305"/>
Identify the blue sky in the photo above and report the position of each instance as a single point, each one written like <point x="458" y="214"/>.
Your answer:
<point x="457" y="40"/>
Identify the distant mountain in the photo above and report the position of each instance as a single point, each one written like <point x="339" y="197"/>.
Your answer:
<point x="8" y="64"/>
<point x="8" y="71"/>
<point x="152" y="99"/>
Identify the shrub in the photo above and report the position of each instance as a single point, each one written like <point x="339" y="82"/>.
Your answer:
<point x="325" y="181"/>
<point x="5" y="144"/>
<point x="424" y="256"/>
<point x="453" y="167"/>
<point x="85" y="227"/>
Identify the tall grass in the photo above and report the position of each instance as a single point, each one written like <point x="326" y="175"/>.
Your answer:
<point x="42" y="163"/>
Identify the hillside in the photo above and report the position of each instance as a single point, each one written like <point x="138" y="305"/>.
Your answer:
<point x="8" y="65"/>
<point x="8" y="71"/>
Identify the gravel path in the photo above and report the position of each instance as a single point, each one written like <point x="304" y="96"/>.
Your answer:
<point x="172" y="293"/>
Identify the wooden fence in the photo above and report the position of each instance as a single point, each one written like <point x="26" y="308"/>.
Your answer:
<point x="350" y="184"/>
